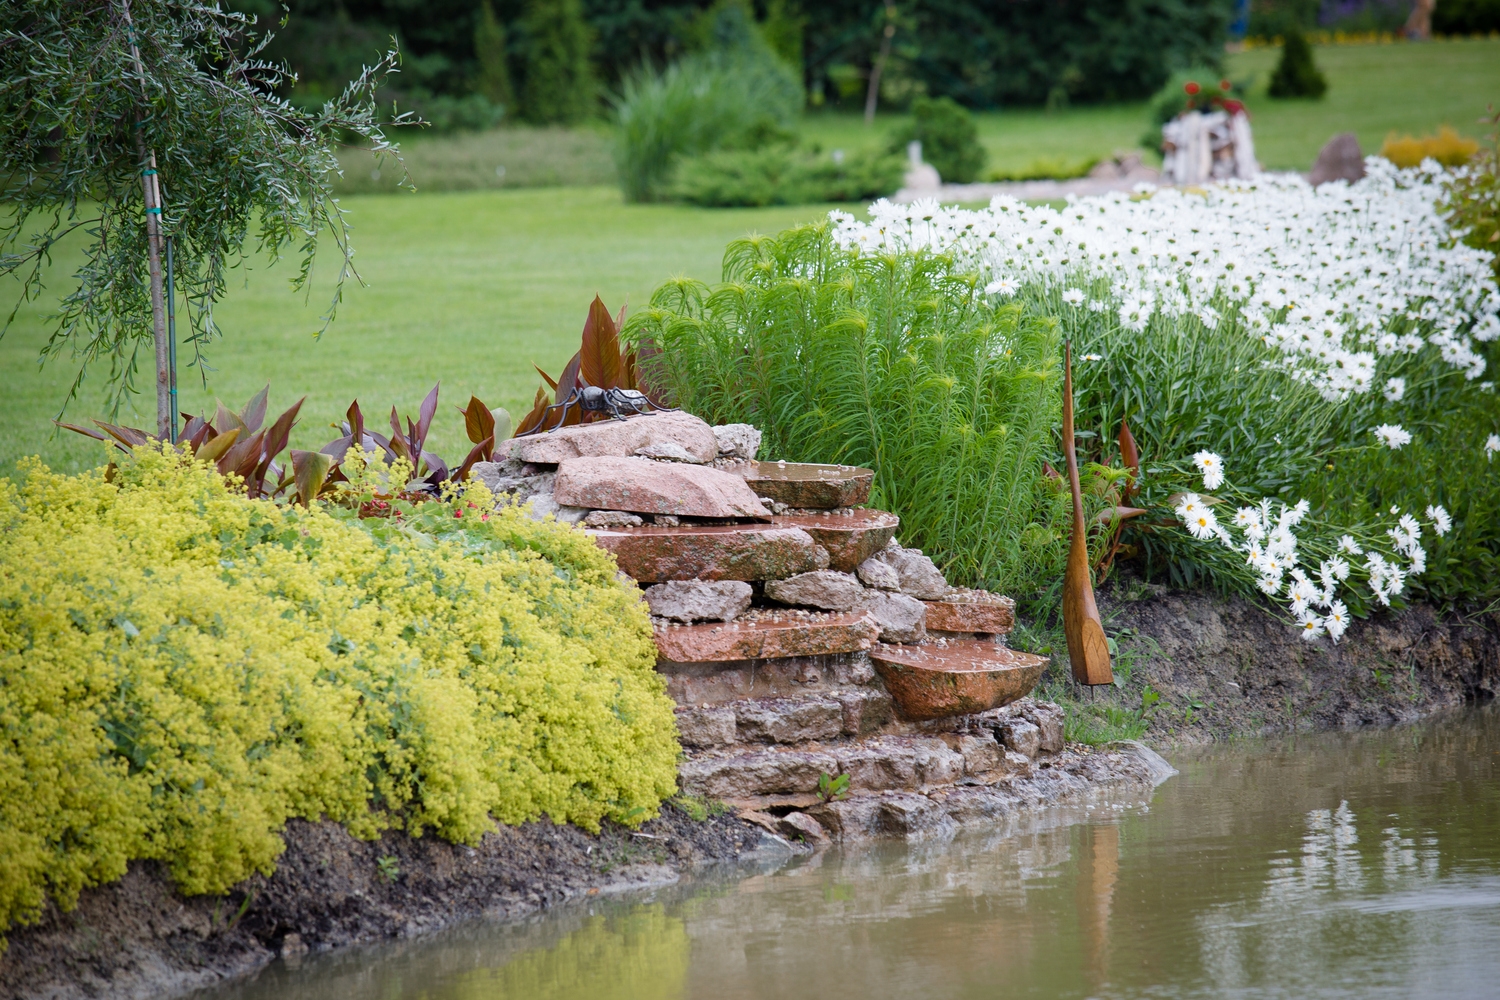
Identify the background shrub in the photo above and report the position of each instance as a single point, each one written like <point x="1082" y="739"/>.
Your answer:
<point x="1296" y="75"/>
<point x="182" y="669"/>
<point x="949" y="138"/>
<point x="896" y="362"/>
<point x="1447" y="147"/>
<point x="560" y="87"/>
<point x="784" y="175"/>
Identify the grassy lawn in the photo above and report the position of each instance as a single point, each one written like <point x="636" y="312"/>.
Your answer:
<point x="472" y="288"/>
<point x="469" y="288"/>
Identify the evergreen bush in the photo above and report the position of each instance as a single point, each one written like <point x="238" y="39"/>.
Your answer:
<point x="493" y="79"/>
<point x="560" y="86"/>
<point x="784" y="175"/>
<point x="183" y="669"/>
<point x="949" y="138"/>
<point x="1296" y="75"/>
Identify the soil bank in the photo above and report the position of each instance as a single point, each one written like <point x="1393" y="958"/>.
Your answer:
<point x="1223" y="667"/>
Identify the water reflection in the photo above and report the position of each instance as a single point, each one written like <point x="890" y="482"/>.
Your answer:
<point x="1352" y="865"/>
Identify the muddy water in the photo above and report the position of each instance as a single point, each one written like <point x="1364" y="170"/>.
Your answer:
<point x="1340" y="865"/>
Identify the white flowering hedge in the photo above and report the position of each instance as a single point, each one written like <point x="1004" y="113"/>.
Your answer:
<point x="1354" y="296"/>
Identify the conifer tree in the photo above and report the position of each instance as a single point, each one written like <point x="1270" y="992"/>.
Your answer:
<point x="1296" y="75"/>
<point x="493" y="81"/>
<point x="559" y="77"/>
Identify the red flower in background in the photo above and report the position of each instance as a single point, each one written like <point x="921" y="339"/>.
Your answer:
<point x="1225" y="86"/>
<point x="1192" y="88"/>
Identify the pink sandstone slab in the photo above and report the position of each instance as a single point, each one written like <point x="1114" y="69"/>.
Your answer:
<point x="850" y="538"/>
<point x="956" y="677"/>
<point x="615" y="437"/>
<point x="643" y="486"/>
<point x="971" y="611"/>
<point x="766" y="639"/>
<point x="653" y="554"/>
<point x="806" y="484"/>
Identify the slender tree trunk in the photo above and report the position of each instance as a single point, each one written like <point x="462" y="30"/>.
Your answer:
<point x="151" y="194"/>
<point x="872" y="96"/>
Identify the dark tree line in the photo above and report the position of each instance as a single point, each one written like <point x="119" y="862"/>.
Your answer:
<point x="983" y="53"/>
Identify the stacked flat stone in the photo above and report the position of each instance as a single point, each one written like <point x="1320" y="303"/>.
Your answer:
<point x="798" y="637"/>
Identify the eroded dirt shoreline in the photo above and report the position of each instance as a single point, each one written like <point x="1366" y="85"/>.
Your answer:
<point x="1224" y="668"/>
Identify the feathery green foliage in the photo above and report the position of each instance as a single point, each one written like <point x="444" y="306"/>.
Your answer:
<point x="895" y="362"/>
<point x="783" y="175"/>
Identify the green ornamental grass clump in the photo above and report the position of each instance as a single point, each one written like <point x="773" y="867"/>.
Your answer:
<point x="785" y="175"/>
<point x="183" y="669"/>
<point x="896" y="362"/>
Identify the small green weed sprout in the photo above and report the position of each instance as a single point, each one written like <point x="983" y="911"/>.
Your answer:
<point x="831" y="789"/>
<point x="389" y="868"/>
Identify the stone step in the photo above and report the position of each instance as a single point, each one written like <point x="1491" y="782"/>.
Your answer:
<point x="763" y="634"/>
<point x="947" y="677"/>
<point x="855" y="712"/>
<point x="653" y="554"/>
<point x="801" y="484"/>
<point x="643" y="486"/>
<point x="875" y="764"/>
<point x="850" y="536"/>
<point x="964" y="610"/>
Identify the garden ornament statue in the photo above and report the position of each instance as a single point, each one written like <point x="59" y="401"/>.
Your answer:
<point x="592" y="399"/>
<point x="1088" y="650"/>
<point x="1210" y="139"/>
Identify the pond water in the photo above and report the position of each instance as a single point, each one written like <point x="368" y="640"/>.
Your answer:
<point x="1339" y="865"/>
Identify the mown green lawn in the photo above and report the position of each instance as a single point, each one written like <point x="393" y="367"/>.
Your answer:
<point x="467" y="288"/>
<point x="471" y="288"/>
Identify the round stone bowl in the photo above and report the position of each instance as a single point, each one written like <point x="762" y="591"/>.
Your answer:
<point x="963" y="677"/>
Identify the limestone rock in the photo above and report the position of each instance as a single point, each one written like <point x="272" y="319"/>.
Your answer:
<point x="544" y="504"/>
<point x="1018" y="764"/>
<point x="510" y="479"/>
<point x="901" y="618"/>
<point x="901" y="814"/>
<point x="898" y="762"/>
<point x="801" y="826"/>
<point x="1021" y="736"/>
<point x="667" y="451"/>
<point x="917" y="574"/>
<point x="616" y="437"/>
<point x="611" y="519"/>
<point x="646" y="487"/>
<point x="789" y="720"/>
<point x="696" y="600"/>
<point x="824" y="588"/>
<point x="982" y="755"/>
<point x="1048" y="719"/>
<point x="879" y="574"/>
<point x="1340" y="160"/>
<point x="972" y="611"/>
<point x="748" y="775"/>
<point x="705" y="727"/>
<point x="737" y="440"/>
<point x="865" y="710"/>
<point x="807" y="485"/>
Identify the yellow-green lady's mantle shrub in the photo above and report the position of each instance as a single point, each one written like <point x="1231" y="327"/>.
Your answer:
<point x="182" y="669"/>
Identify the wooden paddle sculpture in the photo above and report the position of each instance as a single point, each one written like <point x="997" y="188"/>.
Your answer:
<point x="1088" y="650"/>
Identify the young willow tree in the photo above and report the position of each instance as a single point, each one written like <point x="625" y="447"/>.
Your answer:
<point x="152" y="127"/>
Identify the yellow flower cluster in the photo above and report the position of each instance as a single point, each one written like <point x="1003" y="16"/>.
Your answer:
<point x="182" y="669"/>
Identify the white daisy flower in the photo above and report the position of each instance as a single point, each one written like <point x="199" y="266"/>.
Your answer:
<point x="1004" y="287"/>
<point x="1310" y="625"/>
<point x="1336" y="621"/>
<point x="1212" y="467"/>
<point x="1349" y="545"/>
<point x="1491" y="445"/>
<point x="1395" y="388"/>
<point x="1072" y="296"/>
<point x="1441" y="522"/>
<point x="1393" y="436"/>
